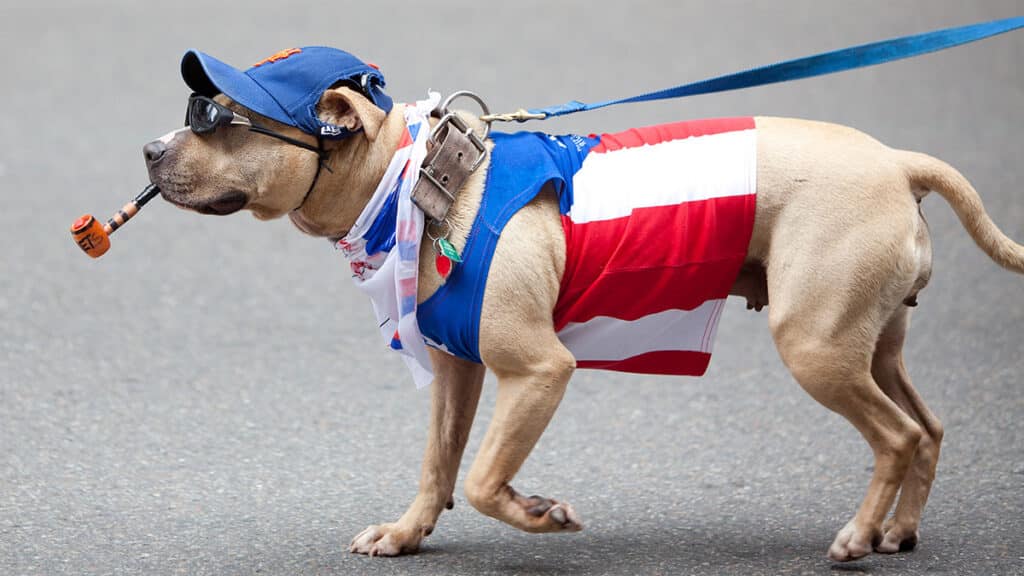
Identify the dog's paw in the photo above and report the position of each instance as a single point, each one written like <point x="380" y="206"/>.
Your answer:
<point x="385" y="540"/>
<point x="851" y="544"/>
<point x="564" y="518"/>
<point x="897" y="538"/>
<point x="551" y="515"/>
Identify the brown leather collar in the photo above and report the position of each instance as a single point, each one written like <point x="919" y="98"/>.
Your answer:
<point x="454" y="152"/>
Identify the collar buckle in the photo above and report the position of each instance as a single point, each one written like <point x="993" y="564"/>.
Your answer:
<point x="456" y="152"/>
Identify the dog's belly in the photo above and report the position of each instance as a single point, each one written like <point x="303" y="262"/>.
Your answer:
<point x="658" y="231"/>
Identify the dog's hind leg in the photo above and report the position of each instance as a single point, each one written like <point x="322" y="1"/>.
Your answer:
<point x="835" y="370"/>
<point x="455" y="394"/>
<point x="900" y="531"/>
<point x="829" y="306"/>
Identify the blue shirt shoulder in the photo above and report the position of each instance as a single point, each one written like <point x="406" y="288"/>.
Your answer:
<point x="521" y="164"/>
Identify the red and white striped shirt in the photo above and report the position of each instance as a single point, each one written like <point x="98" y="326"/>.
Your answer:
<point x="656" y="235"/>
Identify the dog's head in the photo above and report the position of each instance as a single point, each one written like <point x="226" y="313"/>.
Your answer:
<point x="260" y="139"/>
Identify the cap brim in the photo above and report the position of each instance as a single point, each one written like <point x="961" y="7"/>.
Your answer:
<point x="209" y="77"/>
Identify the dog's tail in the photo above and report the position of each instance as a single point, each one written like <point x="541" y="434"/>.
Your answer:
<point x="927" y="173"/>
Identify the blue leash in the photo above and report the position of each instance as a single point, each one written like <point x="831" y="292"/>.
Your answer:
<point x="817" y="65"/>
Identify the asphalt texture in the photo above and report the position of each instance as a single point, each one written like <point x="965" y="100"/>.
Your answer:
<point x="211" y="396"/>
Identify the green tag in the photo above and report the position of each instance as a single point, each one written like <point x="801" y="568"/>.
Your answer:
<point x="448" y="250"/>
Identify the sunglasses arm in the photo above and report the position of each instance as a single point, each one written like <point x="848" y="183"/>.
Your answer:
<point x="318" y="149"/>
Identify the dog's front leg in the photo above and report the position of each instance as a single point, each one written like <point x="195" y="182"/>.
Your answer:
<point x="454" y="397"/>
<point x="518" y="343"/>
<point x="532" y="378"/>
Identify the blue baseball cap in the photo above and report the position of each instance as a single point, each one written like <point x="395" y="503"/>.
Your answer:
<point x="287" y="85"/>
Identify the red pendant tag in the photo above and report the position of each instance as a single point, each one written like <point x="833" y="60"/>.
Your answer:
<point x="443" y="264"/>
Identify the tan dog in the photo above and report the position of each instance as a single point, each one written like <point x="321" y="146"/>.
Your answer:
<point x="839" y="246"/>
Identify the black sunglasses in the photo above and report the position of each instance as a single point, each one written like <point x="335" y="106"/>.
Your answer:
<point x="204" y="116"/>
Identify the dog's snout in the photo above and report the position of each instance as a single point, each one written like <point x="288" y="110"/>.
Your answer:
<point x="154" y="151"/>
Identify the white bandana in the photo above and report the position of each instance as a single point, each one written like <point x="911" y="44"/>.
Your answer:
<point x="389" y="275"/>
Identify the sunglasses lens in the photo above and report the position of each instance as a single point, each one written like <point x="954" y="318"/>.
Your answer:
<point x="204" y="116"/>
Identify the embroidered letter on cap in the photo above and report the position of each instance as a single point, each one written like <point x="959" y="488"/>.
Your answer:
<point x="277" y="56"/>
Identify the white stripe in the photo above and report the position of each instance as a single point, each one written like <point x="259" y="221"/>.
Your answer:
<point x="611" y="339"/>
<point x="611" y="184"/>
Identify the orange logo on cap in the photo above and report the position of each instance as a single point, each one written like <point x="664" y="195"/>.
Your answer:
<point x="277" y="56"/>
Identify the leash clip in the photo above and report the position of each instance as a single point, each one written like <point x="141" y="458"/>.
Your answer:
<point x="521" y="115"/>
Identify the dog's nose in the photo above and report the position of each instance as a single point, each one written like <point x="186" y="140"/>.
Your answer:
<point x="154" y="151"/>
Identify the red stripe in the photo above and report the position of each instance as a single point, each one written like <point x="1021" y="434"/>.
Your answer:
<point x="407" y="286"/>
<point x="651" y="135"/>
<point x="658" y="258"/>
<point x="406" y="139"/>
<point x="673" y="362"/>
<point x="405" y="231"/>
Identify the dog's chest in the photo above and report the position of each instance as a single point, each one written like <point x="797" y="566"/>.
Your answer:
<point x="657" y="222"/>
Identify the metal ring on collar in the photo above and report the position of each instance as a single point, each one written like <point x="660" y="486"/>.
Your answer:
<point x="447" y="230"/>
<point x="467" y="94"/>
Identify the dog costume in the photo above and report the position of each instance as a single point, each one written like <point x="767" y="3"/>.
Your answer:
<point x="657" y="222"/>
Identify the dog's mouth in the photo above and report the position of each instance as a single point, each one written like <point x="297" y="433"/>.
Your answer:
<point x="228" y="203"/>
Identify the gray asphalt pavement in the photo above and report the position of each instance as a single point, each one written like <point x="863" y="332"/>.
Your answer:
<point x="211" y="397"/>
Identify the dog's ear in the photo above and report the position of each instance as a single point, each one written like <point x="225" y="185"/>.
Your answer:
<point x="343" y="106"/>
